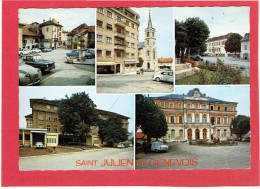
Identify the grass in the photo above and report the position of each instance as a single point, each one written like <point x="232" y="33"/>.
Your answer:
<point x="194" y="79"/>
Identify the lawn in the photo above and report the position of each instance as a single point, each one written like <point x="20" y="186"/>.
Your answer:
<point x="194" y="79"/>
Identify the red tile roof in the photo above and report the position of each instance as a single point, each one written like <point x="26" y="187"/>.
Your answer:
<point x="165" y="60"/>
<point x="28" y="31"/>
<point x="81" y="28"/>
<point x="140" y="135"/>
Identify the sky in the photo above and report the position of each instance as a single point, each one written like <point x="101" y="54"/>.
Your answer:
<point x="69" y="18"/>
<point x="121" y="104"/>
<point x="239" y="94"/>
<point x="220" y="20"/>
<point x="162" y="21"/>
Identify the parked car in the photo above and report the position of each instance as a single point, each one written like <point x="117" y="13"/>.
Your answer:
<point x="28" y="75"/>
<point x="196" y="58"/>
<point x="39" y="144"/>
<point x="36" y="50"/>
<point x="25" y="51"/>
<point x="38" y="62"/>
<point x="46" y="50"/>
<point x="166" y="76"/>
<point x="91" y="52"/>
<point x="120" y="145"/>
<point x="158" y="146"/>
<point x="76" y="53"/>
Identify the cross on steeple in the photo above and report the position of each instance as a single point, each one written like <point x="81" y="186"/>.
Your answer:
<point x="150" y="21"/>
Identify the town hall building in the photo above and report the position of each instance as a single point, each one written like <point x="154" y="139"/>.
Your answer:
<point x="196" y="116"/>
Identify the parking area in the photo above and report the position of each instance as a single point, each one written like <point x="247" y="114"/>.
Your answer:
<point x="185" y="156"/>
<point x="131" y="83"/>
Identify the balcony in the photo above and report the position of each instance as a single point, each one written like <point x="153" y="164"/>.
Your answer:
<point x="120" y="46"/>
<point x="120" y="34"/>
<point x="120" y="23"/>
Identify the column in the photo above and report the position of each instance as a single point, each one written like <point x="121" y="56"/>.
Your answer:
<point x="185" y="132"/>
<point x="114" y="69"/>
<point x="23" y="137"/>
<point x="193" y="118"/>
<point x="200" y="117"/>
<point x="31" y="140"/>
<point x="185" y="117"/>
<point x="193" y="134"/>
<point x="209" y="134"/>
<point x="45" y="139"/>
<point x="208" y="119"/>
<point x="201" y="133"/>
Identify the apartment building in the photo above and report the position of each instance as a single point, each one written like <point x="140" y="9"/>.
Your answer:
<point x="117" y="40"/>
<point x="245" y="47"/>
<point x="196" y="116"/>
<point x="43" y="125"/>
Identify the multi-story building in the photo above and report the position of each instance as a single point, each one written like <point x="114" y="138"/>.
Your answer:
<point x="20" y="35"/>
<point x="216" y="45"/>
<point x="31" y="35"/>
<point x="196" y="116"/>
<point x="117" y="40"/>
<point x="147" y="48"/>
<point x="43" y="125"/>
<point x="64" y="38"/>
<point x="245" y="47"/>
<point x="52" y="34"/>
<point x="165" y="63"/>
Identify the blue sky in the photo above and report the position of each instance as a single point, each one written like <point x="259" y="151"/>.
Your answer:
<point x="68" y="18"/>
<point x="121" y="104"/>
<point x="240" y="94"/>
<point x="162" y="21"/>
<point x="220" y="20"/>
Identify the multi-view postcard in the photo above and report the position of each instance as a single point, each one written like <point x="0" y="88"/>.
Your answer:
<point x="120" y="93"/>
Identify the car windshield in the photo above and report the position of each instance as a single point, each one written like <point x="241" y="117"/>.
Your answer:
<point x="37" y="58"/>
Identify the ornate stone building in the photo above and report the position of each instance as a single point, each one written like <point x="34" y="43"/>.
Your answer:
<point x="147" y="48"/>
<point x="196" y="116"/>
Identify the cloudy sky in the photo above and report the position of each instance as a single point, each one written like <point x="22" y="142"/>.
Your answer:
<point x="68" y="18"/>
<point x="162" y="21"/>
<point x="240" y="94"/>
<point x="220" y="20"/>
<point x="121" y="104"/>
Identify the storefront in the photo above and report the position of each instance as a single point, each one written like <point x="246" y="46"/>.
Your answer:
<point x="130" y="66"/>
<point x="108" y="68"/>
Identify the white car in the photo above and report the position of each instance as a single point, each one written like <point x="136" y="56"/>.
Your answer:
<point x="166" y="76"/>
<point x="158" y="146"/>
<point x="25" y="51"/>
<point x="39" y="144"/>
<point x="36" y="50"/>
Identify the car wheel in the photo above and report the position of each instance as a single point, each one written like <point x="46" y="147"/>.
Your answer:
<point x="157" y="79"/>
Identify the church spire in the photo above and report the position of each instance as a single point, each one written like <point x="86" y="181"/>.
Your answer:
<point x="150" y="21"/>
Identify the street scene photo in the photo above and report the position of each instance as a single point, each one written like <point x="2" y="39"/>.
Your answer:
<point x="72" y="128"/>
<point x="212" y="45"/>
<point x="56" y="47"/>
<point x="134" y="50"/>
<point x="196" y="128"/>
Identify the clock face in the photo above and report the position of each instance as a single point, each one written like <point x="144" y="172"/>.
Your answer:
<point x="196" y="94"/>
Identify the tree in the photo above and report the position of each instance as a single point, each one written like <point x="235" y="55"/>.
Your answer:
<point x="233" y="43"/>
<point x="197" y="33"/>
<point x="240" y="125"/>
<point x="180" y="38"/>
<point x="150" y="118"/>
<point x="111" y="130"/>
<point x="77" y="114"/>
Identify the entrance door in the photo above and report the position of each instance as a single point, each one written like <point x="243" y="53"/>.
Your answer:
<point x="148" y="65"/>
<point x="189" y="134"/>
<point x="197" y="134"/>
<point x="204" y="133"/>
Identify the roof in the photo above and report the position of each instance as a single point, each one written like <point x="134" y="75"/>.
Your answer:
<point x="29" y="30"/>
<point x="50" y="22"/>
<point x="80" y="28"/>
<point x="29" y="116"/>
<point x="108" y="112"/>
<point x="219" y="37"/>
<point x="140" y="135"/>
<point x="246" y="37"/>
<point x="149" y="21"/>
<point x="140" y="45"/>
<point x="165" y="60"/>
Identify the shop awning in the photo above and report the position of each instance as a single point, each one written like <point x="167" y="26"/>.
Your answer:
<point x="106" y="63"/>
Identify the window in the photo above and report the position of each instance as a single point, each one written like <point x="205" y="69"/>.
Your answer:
<point x="109" y="40"/>
<point x="132" y="45"/>
<point x="108" y="54"/>
<point x="218" y="133"/>
<point x="179" y="106"/>
<point x="211" y="107"/>
<point x="245" y="47"/>
<point x="171" y="105"/>
<point x="212" y="120"/>
<point x="55" y="108"/>
<point x="48" y="128"/>
<point x="47" y="29"/>
<point x="181" y="134"/>
<point x="41" y="106"/>
<point x="180" y="118"/>
<point x="204" y="119"/>
<point x="99" y="38"/>
<point x="20" y="136"/>
<point x="132" y="35"/>
<point x="127" y="23"/>
<point x="162" y="105"/>
<point x="147" y="42"/>
<point x="204" y="106"/>
<point x="127" y="44"/>
<point x="55" y="117"/>
<point x="232" y="108"/>
<point x="127" y="33"/>
<point x="95" y="141"/>
<point x="109" y="14"/>
<point x="132" y="55"/>
<point x="147" y="34"/>
<point x="99" y="23"/>
<point x="127" y="55"/>
<point x="55" y="128"/>
<point x="100" y="10"/>
<point x="219" y="108"/>
<point x="231" y="119"/>
<point x="118" y="18"/>
<point x="226" y="109"/>
<point x="109" y="27"/>
<point x="119" y="54"/>
<point x="197" y="118"/>
<point x="189" y="118"/>
<point x="48" y="107"/>
<point x="40" y="125"/>
<point x="225" y="133"/>
<point x="225" y="120"/>
<point x="48" y="117"/>
<point x="172" y="133"/>
<point x="218" y="120"/>
<point x="132" y="25"/>
<point x="189" y="106"/>
<point x="197" y="106"/>
<point x="153" y="34"/>
<point x="172" y="118"/>
<point x="99" y="53"/>
<point x="40" y="116"/>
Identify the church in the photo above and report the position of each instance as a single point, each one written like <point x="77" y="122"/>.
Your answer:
<point x="147" y="48"/>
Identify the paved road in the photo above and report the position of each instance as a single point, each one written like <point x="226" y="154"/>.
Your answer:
<point x="225" y="157"/>
<point x="67" y="74"/>
<point x="69" y="161"/>
<point x="132" y="84"/>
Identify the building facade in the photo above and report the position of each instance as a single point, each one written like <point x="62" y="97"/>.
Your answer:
<point x="147" y="49"/>
<point x="43" y="125"/>
<point x="245" y="47"/>
<point x="30" y="36"/>
<point x="165" y="63"/>
<point x="216" y="46"/>
<point x="117" y="40"/>
<point x="195" y="116"/>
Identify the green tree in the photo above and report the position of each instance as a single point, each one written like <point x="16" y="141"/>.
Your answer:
<point x="150" y="118"/>
<point x="233" y="43"/>
<point x="76" y="114"/>
<point x="111" y="130"/>
<point x="240" y="125"/>
<point x="197" y="34"/>
<point x="180" y="38"/>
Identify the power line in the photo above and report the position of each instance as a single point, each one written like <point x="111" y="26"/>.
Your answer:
<point x="115" y="102"/>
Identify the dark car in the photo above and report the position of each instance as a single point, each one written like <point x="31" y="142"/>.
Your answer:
<point x="196" y="58"/>
<point x="38" y="62"/>
<point x="91" y="52"/>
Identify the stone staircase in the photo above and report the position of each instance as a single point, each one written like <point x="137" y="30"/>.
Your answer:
<point x="184" y="70"/>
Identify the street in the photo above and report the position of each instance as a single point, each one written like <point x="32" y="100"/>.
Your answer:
<point x="185" y="156"/>
<point x="84" y="160"/>
<point x="67" y="74"/>
<point x="132" y="84"/>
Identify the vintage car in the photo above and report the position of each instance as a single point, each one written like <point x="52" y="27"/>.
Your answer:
<point x="91" y="52"/>
<point x="166" y="76"/>
<point x="38" y="62"/>
<point x="28" y="75"/>
<point x="36" y="50"/>
<point x="39" y="144"/>
<point x="157" y="146"/>
<point x="25" y="51"/>
<point x="46" y="50"/>
<point x="76" y="53"/>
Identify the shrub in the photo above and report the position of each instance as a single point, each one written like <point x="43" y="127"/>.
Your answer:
<point x="190" y="61"/>
<point x="203" y="80"/>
